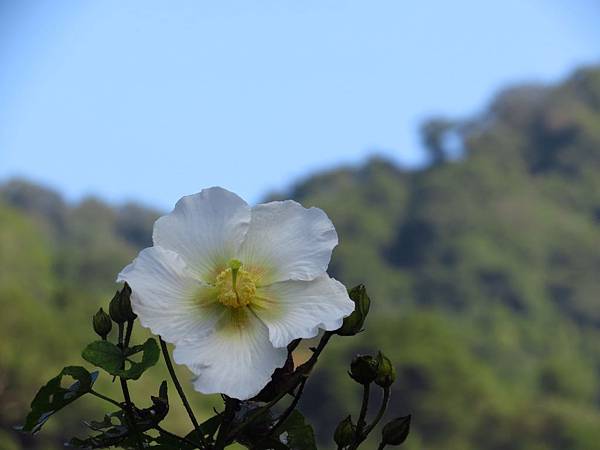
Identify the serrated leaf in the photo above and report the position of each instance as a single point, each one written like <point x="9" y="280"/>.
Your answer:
<point x="53" y="397"/>
<point x="109" y="357"/>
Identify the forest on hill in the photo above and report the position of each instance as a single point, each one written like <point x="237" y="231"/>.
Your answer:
<point x="483" y="268"/>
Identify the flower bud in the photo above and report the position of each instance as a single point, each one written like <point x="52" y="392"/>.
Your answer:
<point x="102" y="323"/>
<point x="120" y="306"/>
<point x="396" y="431"/>
<point x="355" y="321"/>
<point x="363" y="369"/>
<point x="344" y="433"/>
<point x="386" y="373"/>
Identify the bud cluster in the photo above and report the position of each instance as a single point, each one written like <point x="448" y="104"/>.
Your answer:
<point x="120" y="306"/>
<point x="119" y="311"/>
<point x="366" y="369"/>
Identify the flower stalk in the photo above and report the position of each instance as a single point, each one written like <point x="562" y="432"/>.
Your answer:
<point x="184" y="400"/>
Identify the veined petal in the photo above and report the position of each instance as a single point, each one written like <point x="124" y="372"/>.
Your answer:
<point x="286" y="241"/>
<point x="298" y="309"/>
<point x="237" y="359"/>
<point x="167" y="296"/>
<point x="205" y="229"/>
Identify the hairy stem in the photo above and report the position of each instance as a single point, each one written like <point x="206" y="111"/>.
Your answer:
<point x="186" y="404"/>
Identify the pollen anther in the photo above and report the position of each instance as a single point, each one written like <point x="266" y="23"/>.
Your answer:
<point x="235" y="287"/>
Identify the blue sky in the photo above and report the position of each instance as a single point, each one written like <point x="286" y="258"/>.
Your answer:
<point x="151" y="100"/>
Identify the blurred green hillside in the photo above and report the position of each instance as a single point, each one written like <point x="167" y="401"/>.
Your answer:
<point x="484" y="269"/>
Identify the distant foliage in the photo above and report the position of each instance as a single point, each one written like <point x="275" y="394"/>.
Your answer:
<point x="485" y="266"/>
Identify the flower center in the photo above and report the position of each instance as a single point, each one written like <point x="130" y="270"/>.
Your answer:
<point x="235" y="286"/>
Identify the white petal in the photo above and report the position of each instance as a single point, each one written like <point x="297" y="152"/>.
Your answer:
<point x="206" y="229"/>
<point x="167" y="297"/>
<point x="298" y="309"/>
<point x="236" y="360"/>
<point x="288" y="241"/>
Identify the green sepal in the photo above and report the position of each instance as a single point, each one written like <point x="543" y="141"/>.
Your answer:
<point x="396" y="431"/>
<point x="354" y="323"/>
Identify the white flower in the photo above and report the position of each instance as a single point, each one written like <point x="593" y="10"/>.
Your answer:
<point x="231" y="286"/>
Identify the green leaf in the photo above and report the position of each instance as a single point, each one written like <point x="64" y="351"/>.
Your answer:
<point x="150" y="355"/>
<point x="105" y="355"/>
<point x="109" y="357"/>
<point x="296" y="434"/>
<point x="53" y="397"/>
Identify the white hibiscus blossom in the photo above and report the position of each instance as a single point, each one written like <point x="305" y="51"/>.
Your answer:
<point x="231" y="286"/>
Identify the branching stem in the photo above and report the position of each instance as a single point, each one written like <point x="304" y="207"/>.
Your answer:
<point x="156" y="427"/>
<point x="384" y="403"/>
<point x="358" y="435"/>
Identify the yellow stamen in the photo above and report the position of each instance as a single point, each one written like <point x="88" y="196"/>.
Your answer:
<point x="235" y="286"/>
